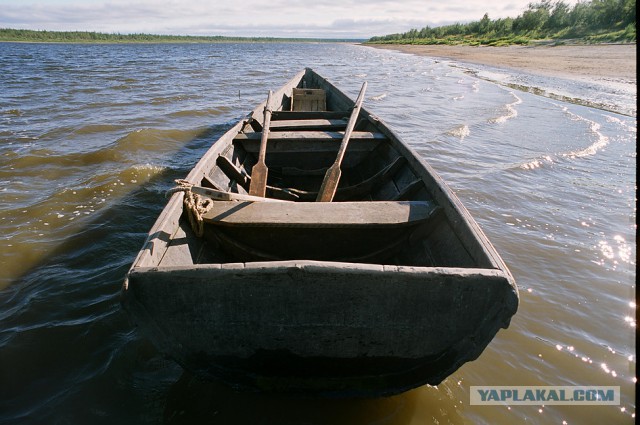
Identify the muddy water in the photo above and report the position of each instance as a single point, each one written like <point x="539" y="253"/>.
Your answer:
<point x="91" y="136"/>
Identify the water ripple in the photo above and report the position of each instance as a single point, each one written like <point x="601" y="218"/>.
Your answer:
<point x="91" y="136"/>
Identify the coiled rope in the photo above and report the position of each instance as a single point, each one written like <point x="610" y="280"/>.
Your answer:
<point x="194" y="204"/>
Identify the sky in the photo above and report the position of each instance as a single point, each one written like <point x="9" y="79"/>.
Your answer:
<point x="251" y="18"/>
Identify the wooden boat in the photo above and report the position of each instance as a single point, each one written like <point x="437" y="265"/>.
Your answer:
<point x="390" y="286"/>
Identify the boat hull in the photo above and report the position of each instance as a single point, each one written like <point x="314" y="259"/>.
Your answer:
<point x="336" y="329"/>
<point x="335" y="307"/>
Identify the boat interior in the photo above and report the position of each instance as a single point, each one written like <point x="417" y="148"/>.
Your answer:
<point x="382" y="212"/>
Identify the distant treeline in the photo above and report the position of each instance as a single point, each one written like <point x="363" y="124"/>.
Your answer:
<point x="590" y="21"/>
<point x="7" y="34"/>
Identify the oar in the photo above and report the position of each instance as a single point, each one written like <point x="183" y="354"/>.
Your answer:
<point x="259" y="171"/>
<point x="331" y="179"/>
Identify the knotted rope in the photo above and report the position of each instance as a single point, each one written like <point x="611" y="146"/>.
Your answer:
<point x="194" y="204"/>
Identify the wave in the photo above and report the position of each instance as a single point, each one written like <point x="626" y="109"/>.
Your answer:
<point x="141" y="141"/>
<point x="510" y="111"/>
<point x="600" y="141"/>
<point x="618" y="97"/>
<point x="72" y="131"/>
<point x="537" y="162"/>
<point x="80" y="196"/>
<point x="172" y="99"/>
<point x="594" y="128"/>
<point x="207" y="112"/>
<point x="620" y="123"/>
<point x="15" y="112"/>
<point x="47" y="216"/>
<point x="460" y="131"/>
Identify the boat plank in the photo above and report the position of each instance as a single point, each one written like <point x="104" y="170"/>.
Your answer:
<point x="319" y="214"/>
<point x="298" y="136"/>
<point x="315" y="124"/>
<point x="410" y="191"/>
<point x="388" y="190"/>
<point x="310" y="146"/>
<point x="315" y="115"/>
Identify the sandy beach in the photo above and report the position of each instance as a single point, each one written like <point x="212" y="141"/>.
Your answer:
<point x="606" y="62"/>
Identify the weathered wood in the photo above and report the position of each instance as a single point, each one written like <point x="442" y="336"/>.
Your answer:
<point x="207" y="182"/>
<point x="343" y="193"/>
<point x="218" y="195"/>
<point x="331" y="179"/>
<point x="264" y="243"/>
<point x="319" y="214"/>
<point x="316" y="124"/>
<point x="259" y="171"/>
<point x="308" y="100"/>
<point x="266" y="306"/>
<point x="232" y="172"/>
<point x="312" y="136"/>
<point x="308" y="115"/>
<point x="409" y="191"/>
<point x="244" y="180"/>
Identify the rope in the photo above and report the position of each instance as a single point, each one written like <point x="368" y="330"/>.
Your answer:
<point x="194" y="205"/>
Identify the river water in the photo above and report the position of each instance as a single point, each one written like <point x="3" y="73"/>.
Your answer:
<point x="91" y="136"/>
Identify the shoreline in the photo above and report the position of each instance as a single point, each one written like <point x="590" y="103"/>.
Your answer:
<point x="604" y="62"/>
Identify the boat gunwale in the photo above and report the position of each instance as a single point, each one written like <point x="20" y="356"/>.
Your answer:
<point x="329" y="266"/>
<point x="465" y="228"/>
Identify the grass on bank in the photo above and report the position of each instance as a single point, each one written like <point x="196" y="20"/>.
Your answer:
<point x="20" y="35"/>
<point x="595" y="21"/>
<point x="622" y="36"/>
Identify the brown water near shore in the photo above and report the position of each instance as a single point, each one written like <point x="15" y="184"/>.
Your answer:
<point x="92" y="136"/>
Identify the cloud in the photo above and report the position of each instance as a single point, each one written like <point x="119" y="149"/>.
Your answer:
<point x="278" y="18"/>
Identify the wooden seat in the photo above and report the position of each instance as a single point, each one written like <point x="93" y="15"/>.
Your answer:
<point x="379" y="214"/>
<point x="310" y="115"/>
<point x="309" y="136"/>
<point x="315" y="124"/>
<point x="309" y="100"/>
<point x="311" y="149"/>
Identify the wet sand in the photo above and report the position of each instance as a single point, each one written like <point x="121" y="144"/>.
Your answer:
<point x="605" y="62"/>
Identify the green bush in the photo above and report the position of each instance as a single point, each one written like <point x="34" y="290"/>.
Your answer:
<point x="590" y="21"/>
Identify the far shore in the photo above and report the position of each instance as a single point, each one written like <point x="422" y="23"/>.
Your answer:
<point x="610" y="62"/>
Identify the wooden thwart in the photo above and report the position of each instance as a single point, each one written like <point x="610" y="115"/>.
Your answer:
<point x="234" y="174"/>
<point x="346" y="193"/>
<point x="319" y="214"/>
<point x="309" y="136"/>
<point x="307" y="115"/>
<point x="314" y="124"/>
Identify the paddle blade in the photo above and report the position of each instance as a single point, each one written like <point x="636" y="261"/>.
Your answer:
<point x="331" y="179"/>
<point x="329" y="184"/>
<point x="258" y="186"/>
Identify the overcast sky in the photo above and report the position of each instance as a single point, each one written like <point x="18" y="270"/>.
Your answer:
<point x="274" y="18"/>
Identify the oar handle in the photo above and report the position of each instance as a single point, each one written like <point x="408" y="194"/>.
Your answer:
<point x="351" y="124"/>
<point x="265" y="129"/>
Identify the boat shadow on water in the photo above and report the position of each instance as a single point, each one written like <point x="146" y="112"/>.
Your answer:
<point x="191" y="399"/>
